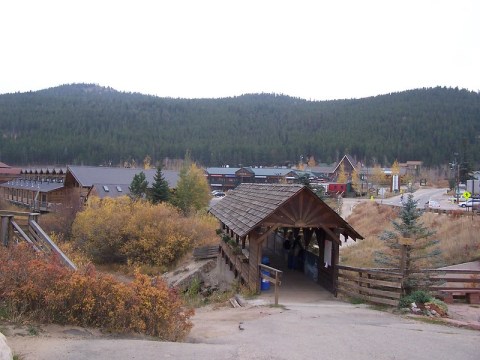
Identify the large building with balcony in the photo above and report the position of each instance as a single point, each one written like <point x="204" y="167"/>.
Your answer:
<point x="227" y="178"/>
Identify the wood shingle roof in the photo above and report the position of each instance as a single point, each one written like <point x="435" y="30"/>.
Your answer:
<point x="250" y="205"/>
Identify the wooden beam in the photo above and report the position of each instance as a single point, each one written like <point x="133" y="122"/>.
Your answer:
<point x="334" y="236"/>
<point x="291" y="217"/>
<point x="268" y="232"/>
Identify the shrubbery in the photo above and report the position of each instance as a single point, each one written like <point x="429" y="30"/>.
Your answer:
<point x="138" y="232"/>
<point x="43" y="290"/>
<point x="418" y="297"/>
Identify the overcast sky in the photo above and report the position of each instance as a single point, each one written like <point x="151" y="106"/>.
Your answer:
<point x="201" y="48"/>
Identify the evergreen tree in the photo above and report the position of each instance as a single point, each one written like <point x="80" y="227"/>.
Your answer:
<point x="410" y="246"/>
<point x="160" y="191"/>
<point x="138" y="186"/>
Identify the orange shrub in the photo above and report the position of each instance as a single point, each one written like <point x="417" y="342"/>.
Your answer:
<point x="121" y="230"/>
<point x="43" y="290"/>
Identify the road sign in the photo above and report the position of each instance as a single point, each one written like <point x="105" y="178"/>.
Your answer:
<point x="466" y="195"/>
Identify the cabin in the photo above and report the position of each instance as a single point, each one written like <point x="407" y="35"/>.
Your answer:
<point x="253" y="215"/>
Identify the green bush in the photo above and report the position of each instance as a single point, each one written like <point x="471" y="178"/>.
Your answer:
<point x="418" y="297"/>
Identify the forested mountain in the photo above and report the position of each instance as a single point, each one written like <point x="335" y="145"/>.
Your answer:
<point x="88" y="124"/>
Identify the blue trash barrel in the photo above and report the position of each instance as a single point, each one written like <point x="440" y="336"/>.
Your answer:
<point x="265" y="284"/>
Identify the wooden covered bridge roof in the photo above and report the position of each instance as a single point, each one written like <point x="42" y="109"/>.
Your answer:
<point x="277" y="205"/>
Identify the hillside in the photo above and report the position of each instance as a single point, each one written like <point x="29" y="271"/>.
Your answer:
<point x="88" y="124"/>
<point x="457" y="236"/>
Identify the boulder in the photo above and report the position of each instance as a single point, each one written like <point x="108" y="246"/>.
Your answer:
<point x="5" y="352"/>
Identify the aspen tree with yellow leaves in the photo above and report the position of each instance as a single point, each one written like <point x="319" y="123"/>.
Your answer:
<point x="356" y="181"/>
<point x="342" y="176"/>
<point x="192" y="192"/>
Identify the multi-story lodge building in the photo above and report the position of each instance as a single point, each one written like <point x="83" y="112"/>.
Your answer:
<point x="227" y="178"/>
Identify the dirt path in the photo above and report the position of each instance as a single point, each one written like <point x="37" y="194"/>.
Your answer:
<point x="338" y="331"/>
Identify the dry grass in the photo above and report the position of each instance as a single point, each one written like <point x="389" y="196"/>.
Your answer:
<point x="5" y="205"/>
<point x="458" y="235"/>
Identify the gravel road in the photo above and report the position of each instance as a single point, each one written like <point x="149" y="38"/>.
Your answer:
<point x="331" y="330"/>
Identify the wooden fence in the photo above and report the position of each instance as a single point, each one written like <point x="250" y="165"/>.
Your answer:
<point x="386" y="286"/>
<point x="379" y="286"/>
<point x="450" y="284"/>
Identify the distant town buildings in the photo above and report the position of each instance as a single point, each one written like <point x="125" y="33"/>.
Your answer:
<point x="47" y="189"/>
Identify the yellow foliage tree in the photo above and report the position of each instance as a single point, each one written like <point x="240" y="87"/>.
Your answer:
<point x="356" y="181"/>
<point x="311" y="161"/>
<point x="342" y="176"/>
<point x="192" y="192"/>
<point x="395" y="168"/>
<point x="378" y="176"/>
<point x="122" y="230"/>
<point x="147" y="162"/>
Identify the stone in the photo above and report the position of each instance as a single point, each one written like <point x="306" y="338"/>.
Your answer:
<point x="5" y="352"/>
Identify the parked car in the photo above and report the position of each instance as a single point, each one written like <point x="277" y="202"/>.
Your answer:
<point x="431" y="204"/>
<point x="219" y="194"/>
<point x="470" y="203"/>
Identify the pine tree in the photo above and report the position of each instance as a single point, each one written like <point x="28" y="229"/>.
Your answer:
<point x="138" y="186"/>
<point x="410" y="245"/>
<point x="160" y="191"/>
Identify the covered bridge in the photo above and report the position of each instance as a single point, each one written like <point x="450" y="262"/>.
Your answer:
<point x="252" y="213"/>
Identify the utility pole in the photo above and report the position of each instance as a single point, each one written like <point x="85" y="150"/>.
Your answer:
<point x="455" y="166"/>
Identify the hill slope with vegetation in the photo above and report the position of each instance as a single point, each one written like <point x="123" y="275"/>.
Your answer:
<point x="88" y="124"/>
<point x="456" y="234"/>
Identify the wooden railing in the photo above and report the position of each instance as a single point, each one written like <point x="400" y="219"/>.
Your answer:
<point x="377" y="286"/>
<point x="450" y="283"/>
<point x="23" y="226"/>
<point x="273" y="276"/>
<point x="238" y="261"/>
<point x="385" y="286"/>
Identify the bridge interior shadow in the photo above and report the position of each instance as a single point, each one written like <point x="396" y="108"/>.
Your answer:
<point x="296" y="286"/>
